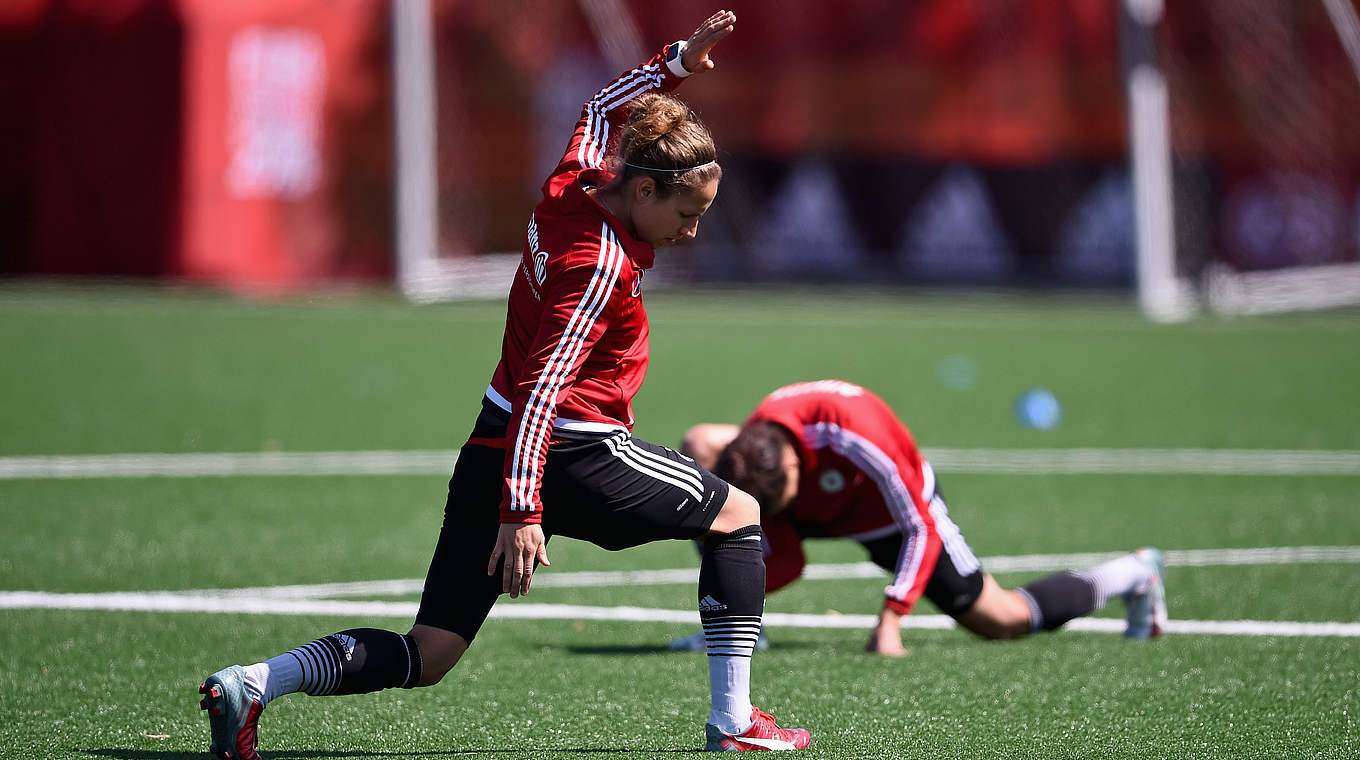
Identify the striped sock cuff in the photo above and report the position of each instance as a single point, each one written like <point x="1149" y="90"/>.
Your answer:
<point x="1036" y="615"/>
<point x="1101" y="586"/>
<point x="415" y="662"/>
<point x="731" y="635"/>
<point x="321" y="664"/>
<point x="1116" y="578"/>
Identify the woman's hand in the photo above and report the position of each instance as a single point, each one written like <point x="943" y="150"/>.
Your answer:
<point x="520" y="545"/>
<point x="886" y="638"/>
<point x="709" y="33"/>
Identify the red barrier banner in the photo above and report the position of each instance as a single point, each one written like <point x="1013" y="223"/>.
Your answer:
<point x="285" y="112"/>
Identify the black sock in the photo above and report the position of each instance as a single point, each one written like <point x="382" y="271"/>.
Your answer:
<point x="732" y="591"/>
<point x="1056" y="599"/>
<point x="358" y="661"/>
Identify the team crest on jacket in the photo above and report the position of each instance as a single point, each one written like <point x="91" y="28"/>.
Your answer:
<point x="637" y="282"/>
<point x="831" y="481"/>
<point x="541" y="266"/>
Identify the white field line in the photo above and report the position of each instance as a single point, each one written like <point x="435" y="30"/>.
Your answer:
<point x="1279" y="555"/>
<point x="312" y="599"/>
<point x="1146" y="461"/>
<point x="229" y="465"/>
<point x="1085" y="461"/>
<point x="171" y="602"/>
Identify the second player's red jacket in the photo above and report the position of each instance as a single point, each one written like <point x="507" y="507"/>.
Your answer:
<point x="575" y="347"/>
<point x="861" y="477"/>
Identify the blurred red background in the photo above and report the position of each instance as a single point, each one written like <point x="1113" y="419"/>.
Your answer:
<point x="249" y="143"/>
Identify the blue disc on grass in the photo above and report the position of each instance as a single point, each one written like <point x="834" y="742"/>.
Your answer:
<point x="1038" y="408"/>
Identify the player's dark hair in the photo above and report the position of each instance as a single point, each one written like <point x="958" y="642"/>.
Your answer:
<point x="665" y="140"/>
<point x="754" y="462"/>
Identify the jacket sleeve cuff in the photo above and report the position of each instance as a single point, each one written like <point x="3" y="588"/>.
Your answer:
<point x="674" y="54"/>
<point x="521" y="517"/>
<point x="897" y="605"/>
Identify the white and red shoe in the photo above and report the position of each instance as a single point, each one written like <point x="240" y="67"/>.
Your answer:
<point x="1146" y="605"/>
<point x="762" y="735"/>
<point x="233" y="716"/>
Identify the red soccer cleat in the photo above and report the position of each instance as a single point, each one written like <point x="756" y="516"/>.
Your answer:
<point x="762" y="735"/>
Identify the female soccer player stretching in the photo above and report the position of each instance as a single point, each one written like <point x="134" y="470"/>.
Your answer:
<point x="551" y="445"/>
<point x="830" y="459"/>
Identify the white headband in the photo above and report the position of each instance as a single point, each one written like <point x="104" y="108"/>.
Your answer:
<point x="673" y="171"/>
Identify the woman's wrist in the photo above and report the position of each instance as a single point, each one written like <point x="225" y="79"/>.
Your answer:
<point x="675" y="59"/>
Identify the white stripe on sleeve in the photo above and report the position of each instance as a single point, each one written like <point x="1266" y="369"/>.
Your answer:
<point x="883" y="471"/>
<point x="591" y="151"/>
<point x="534" y="427"/>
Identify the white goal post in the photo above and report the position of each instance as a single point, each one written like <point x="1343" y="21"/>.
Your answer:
<point x="417" y="220"/>
<point x="422" y="273"/>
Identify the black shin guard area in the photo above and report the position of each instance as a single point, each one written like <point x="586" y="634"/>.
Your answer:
<point x="1060" y="598"/>
<point x="732" y="574"/>
<point x="372" y="659"/>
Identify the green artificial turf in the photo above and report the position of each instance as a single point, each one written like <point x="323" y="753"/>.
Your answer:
<point x="126" y="370"/>
<point x="113" y="686"/>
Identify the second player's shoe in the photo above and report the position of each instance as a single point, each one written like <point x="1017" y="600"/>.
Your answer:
<point x="232" y="714"/>
<point x="1146" y="606"/>
<point x="762" y="735"/>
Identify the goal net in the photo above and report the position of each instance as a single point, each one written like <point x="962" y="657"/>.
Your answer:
<point x="1238" y="189"/>
<point x="1246" y="154"/>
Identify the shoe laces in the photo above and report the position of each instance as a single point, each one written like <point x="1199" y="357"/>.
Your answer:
<point x="763" y="724"/>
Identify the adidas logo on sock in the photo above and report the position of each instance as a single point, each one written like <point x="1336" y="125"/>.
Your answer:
<point x="347" y="644"/>
<point x="709" y="604"/>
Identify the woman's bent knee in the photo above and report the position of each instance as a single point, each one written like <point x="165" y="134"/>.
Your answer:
<point x="440" y="650"/>
<point x="739" y="511"/>
<point x="998" y="613"/>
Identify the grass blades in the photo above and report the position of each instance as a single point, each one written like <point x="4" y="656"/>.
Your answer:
<point x="125" y="370"/>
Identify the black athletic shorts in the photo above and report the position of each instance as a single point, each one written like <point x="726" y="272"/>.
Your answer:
<point x="612" y="490"/>
<point x="956" y="582"/>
